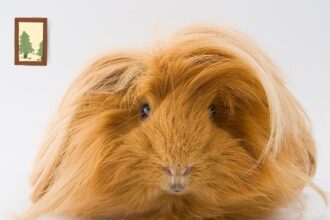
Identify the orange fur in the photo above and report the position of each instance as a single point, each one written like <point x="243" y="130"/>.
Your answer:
<point x="99" y="159"/>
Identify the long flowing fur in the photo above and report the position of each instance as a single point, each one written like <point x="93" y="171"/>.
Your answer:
<point x="99" y="159"/>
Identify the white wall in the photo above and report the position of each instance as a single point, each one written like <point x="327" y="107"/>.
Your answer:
<point x="296" y="34"/>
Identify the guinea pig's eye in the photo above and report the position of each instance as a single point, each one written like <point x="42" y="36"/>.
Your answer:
<point x="213" y="111"/>
<point x="145" y="111"/>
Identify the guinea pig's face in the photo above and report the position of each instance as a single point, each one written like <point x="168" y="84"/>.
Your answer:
<point x="178" y="132"/>
<point x="186" y="147"/>
<point x="178" y="143"/>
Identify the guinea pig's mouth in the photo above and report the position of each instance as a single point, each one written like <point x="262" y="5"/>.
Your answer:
<point x="176" y="189"/>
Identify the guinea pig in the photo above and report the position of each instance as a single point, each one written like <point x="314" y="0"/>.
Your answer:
<point x="200" y="127"/>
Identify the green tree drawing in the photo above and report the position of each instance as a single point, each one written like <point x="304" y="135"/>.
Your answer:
<point x="41" y="50"/>
<point x="25" y="45"/>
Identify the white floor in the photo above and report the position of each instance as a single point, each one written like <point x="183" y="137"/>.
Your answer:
<point x="314" y="209"/>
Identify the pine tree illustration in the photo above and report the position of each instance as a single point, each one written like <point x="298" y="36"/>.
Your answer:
<point x="25" y="45"/>
<point x="41" y="50"/>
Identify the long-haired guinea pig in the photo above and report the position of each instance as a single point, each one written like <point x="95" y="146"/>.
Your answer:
<point x="200" y="127"/>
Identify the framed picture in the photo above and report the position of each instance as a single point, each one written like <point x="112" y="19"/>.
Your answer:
<point x="31" y="41"/>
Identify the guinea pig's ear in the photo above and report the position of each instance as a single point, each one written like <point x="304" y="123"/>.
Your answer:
<point x="111" y="75"/>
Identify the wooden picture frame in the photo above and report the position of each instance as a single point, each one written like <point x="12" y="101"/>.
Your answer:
<point x="34" y="51"/>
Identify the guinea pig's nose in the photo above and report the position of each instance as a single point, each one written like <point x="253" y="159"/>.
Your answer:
<point x="177" y="179"/>
<point x="177" y="184"/>
<point x="177" y="172"/>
